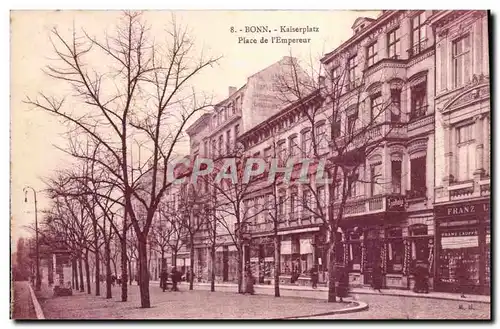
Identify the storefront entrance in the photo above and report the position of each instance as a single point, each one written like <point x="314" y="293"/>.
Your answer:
<point x="463" y="247"/>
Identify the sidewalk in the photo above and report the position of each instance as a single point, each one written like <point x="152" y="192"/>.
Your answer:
<point x="320" y="292"/>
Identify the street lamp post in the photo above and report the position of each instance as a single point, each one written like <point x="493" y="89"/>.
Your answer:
<point x="38" y="280"/>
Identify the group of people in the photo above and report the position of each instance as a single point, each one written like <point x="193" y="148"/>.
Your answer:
<point x="175" y="277"/>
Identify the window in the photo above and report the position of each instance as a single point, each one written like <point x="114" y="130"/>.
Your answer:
<point x="294" y="198"/>
<point x="225" y="111"/>
<point x="236" y="131"/>
<point x="375" y="177"/>
<point x="214" y="148"/>
<point x="281" y="204"/>
<point x="376" y="108"/>
<point x="205" y="149"/>
<point x="228" y="141"/>
<point x="320" y="191"/>
<point x="267" y="153"/>
<point x="461" y="61"/>
<point x="321" y="141"/>
<point x="281" y="152"/>
<point x="306" y="143"/>
<point x="465" y="152"/>
<point x="393" y="44"/>
<point x="351" y="123"/>
<point x="396" y="176"/>
<point x="306" y="199"/>
<point x="335" y="75"/>
<point x="221" y="144"/>
<point x="351" y="70"/>
<point x="395" y="250"/>
<point x="418" y="100"/>
<point x="351" y="185"/>
<point x="336" y="128"/>
<point x="418" y="39"/>
<point x="371" y="54"/>
<point x="418" y="171"/>
<point x="294" y="146"/>
<point x="396" y="105"/>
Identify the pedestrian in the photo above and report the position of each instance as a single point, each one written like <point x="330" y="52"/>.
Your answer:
<point x="343" y="283"/>
<point x="175" y="276"/>
<point x="163" y="279"/>
<point x="113" y="280"/>
<point x="462" y="277"/>
<point x="421" y="275"/>
<point x="314" y="276"/>
<point x="377" y="278"/>
<point x="250" y="282"/>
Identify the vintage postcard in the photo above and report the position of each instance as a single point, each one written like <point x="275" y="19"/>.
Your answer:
<point x="251" y="164"/>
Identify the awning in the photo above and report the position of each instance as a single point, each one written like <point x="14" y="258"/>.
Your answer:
<point x="286" y="247"/>
<point x="306" y="246"/>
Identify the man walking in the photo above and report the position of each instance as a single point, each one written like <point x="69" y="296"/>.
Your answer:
<point x="163" y="279"/>
<point x="175" y="276"/>
<point x="314" y="276"/>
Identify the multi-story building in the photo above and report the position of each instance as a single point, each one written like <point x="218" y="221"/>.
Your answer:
<point x="462" y="194"/>
<point x="387" y="59"/>
<point x="421" y="196"/>
<point x="214" y="136"/>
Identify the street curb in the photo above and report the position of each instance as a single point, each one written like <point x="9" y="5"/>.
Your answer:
<point x="353" y="292"/>
<point x="36" y="304"/>
<point x="423" y="296"/>
<point x="361" y="306"/>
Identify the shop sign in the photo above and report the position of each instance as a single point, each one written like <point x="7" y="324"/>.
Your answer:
<point x="396" y="203"/>
<point x="463" y="209"/>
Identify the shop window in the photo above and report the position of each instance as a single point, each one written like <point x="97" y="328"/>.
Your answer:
<point x="395" y="250"/>
<point x="418" y="169"/>
<point x="354" y="250"/>
<point x="419" y="243"/>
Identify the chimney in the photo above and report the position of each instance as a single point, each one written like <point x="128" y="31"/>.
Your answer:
<point x="231" y="90"/>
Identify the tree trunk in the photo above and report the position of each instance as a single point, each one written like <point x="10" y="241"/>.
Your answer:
<point x="107" y="255"/>
<point x="331" y="271"/>
<point x="143" y="273"/>
<point x="123" y="265"/>
<point x="73" y="274"/>
<point x="191" y="265"/>
<point x="80" y="269"/>
<point x="130" y="271"/>
<point x="240" y="270"/>
<point x="75" y="271"/>
<point x="97" y="263"/>
<point x="51" y="270"/>
<point x="87" y="271"/>
<point x="212" y="274"/>
<point x="277" y="264"/>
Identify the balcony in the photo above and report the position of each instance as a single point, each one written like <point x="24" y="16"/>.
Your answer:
<point x="417" y="48"/>
<point x="373" y="205"/>
<point x="464" y="190"/>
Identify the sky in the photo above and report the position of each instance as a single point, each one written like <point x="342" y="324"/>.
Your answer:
<point x="35" y="134"/>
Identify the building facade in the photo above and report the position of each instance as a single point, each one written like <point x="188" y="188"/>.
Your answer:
<point x="462" y="194"/>
<point x="420" y="198"/>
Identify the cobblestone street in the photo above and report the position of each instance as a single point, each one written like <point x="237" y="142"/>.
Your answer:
<point x="226" y="304"/>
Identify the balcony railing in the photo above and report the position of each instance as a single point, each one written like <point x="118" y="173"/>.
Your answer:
<point x="417" y="48"/>
<point x="418" y="112"/>
<point x="416" y="193"/>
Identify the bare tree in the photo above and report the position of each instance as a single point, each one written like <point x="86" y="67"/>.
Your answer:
<point x="140" y="93"/>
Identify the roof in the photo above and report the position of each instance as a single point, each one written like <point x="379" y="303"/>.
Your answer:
<point x="329" y="56"/>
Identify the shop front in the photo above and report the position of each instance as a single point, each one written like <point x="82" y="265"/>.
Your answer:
<point x="463" y="247"/>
